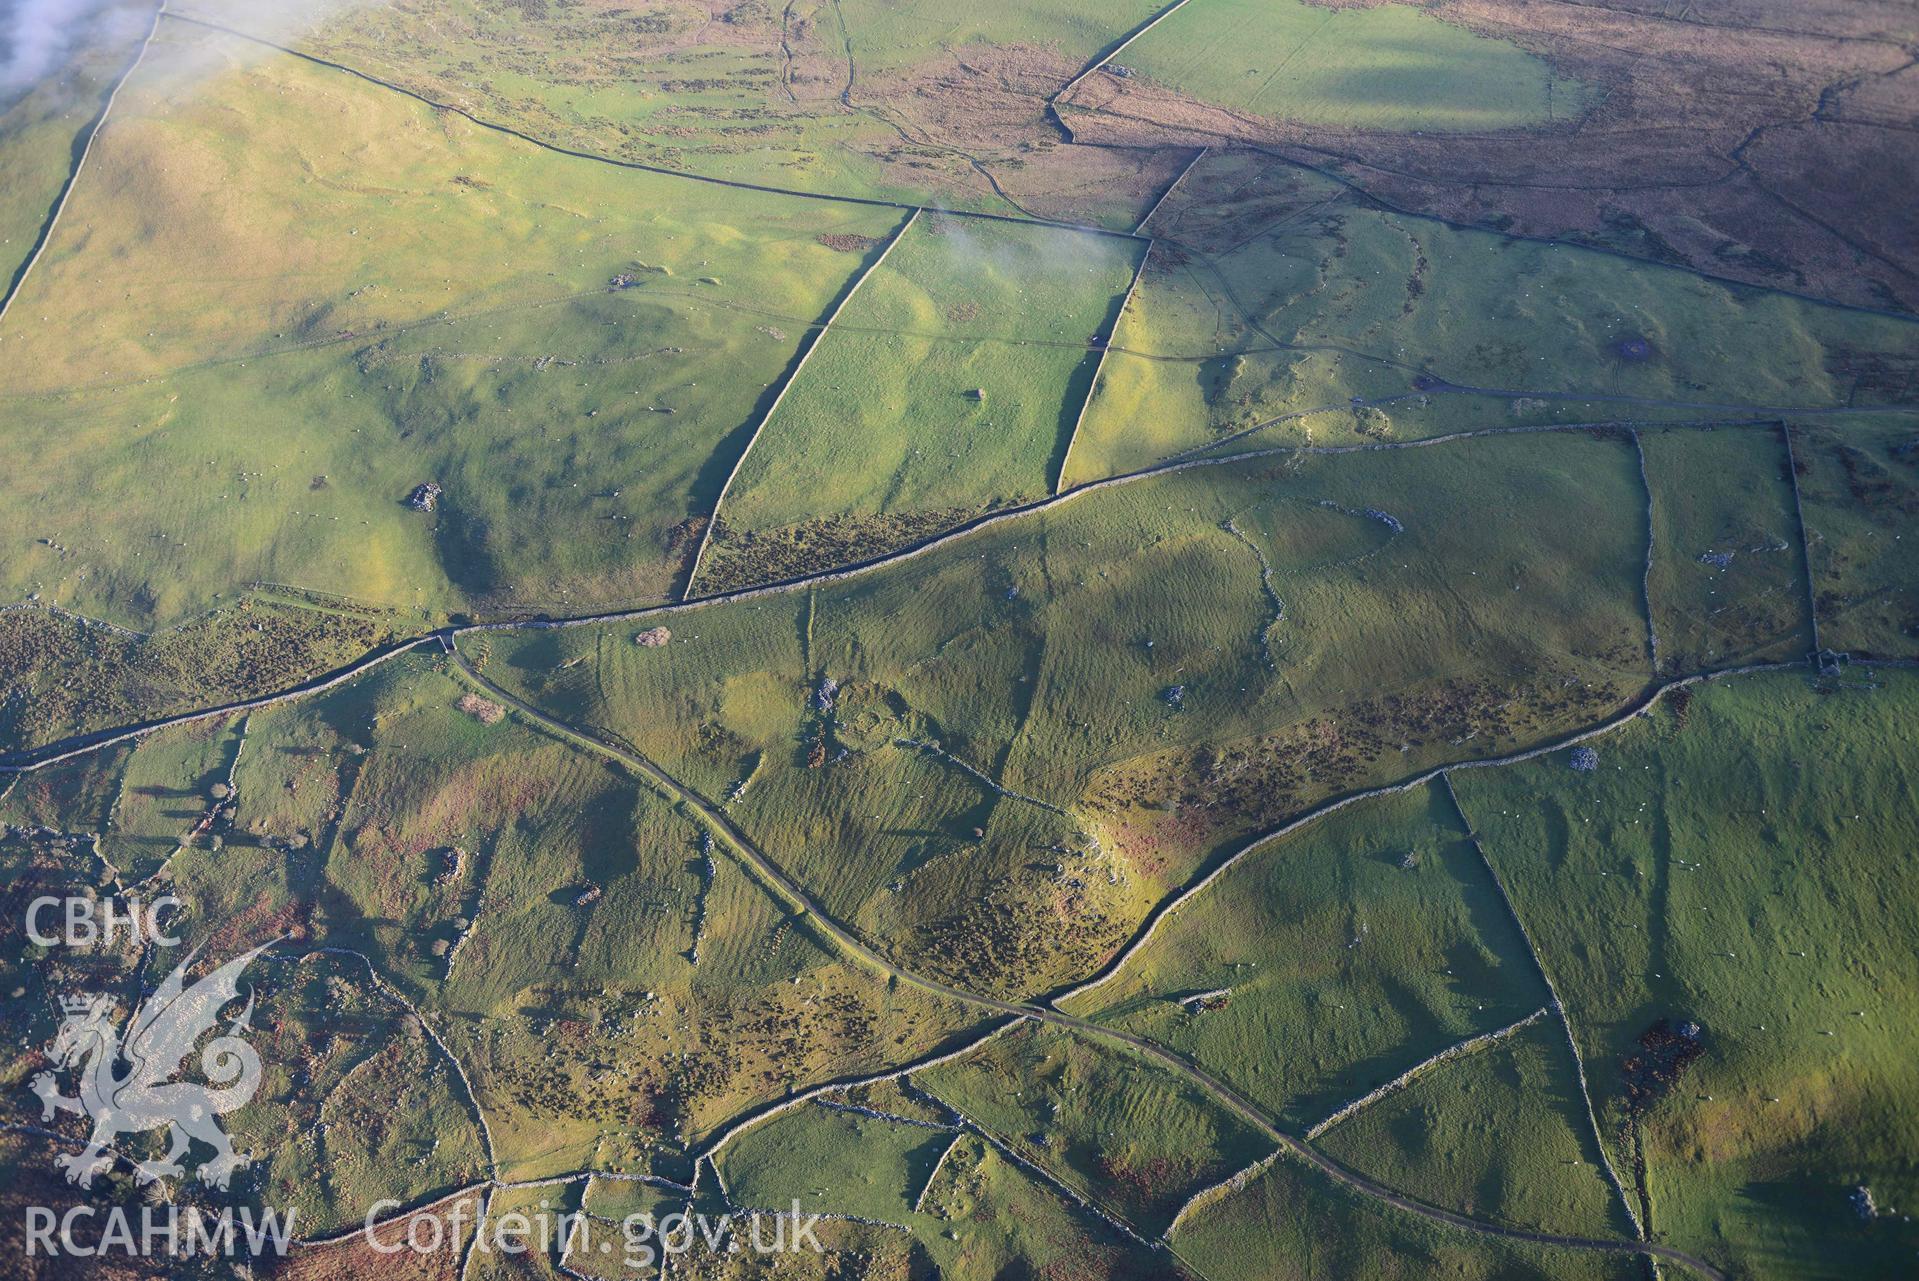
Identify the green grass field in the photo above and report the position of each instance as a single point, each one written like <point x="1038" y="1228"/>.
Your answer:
<point x="166" y="792"/>
<point x="1326" y="964"/>
<point x="617" y="1198"/>
<point x="1123" y="1133"/>
<point x="1728" y="580"/>
<point x="1500" y="1134"/>
<point x="1286" y="1225"/>
<point x="834" y="1162"/>
<point x="948" y="386"/>
<point x="1731" y="863"/>
<point x="1859" y="479"/>
<point x="43" y="126"/>
<point x="390" y="215"/>
<point x="1387" y="66"/>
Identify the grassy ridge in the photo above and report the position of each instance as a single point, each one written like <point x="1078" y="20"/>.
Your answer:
<point x="309" y="323"/>
<point x="215" y="183"/>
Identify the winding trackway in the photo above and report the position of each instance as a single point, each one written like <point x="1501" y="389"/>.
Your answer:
<point x="1235" y="1102"/>
<point x="31" y="759"/>
<point x="81" y="744"/>
<point x="796" y="895"/>
<point x="47" y="754"/>
<point x="769" y="871"/>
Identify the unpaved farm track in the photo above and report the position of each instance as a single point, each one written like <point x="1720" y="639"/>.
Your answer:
<point x="776" y="878"/>
<point x="27" y="760"/>
<point x="1007" y="1014"/>
<point x="1011" y="1012"/>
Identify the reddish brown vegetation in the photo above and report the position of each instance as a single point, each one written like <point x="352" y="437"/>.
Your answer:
<point x="1653" y="1071"/>
<point x="848" y="244"/>
<point x="1736" y="144"/>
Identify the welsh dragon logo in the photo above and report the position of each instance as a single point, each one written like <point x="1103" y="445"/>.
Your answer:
<point x="155" y="1047"/>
